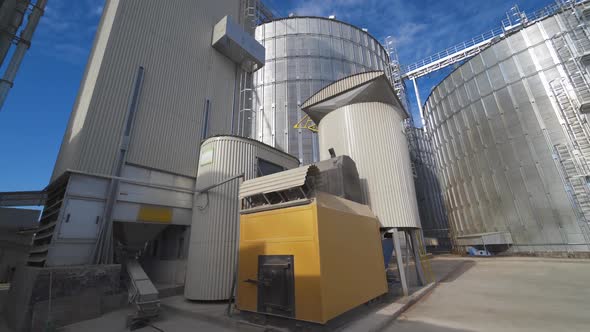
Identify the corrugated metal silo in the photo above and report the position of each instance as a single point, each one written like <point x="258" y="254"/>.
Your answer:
<point x="433" y="215"/>
<point x="214" y="231"/>
<point x="512" y="141"/>
<point x="303" y="55"/>
<point x="360" y="116"/>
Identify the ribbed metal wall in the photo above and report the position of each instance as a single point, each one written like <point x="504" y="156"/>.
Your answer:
<point x="433" y="216"/>
<point x="507" y="149"/>
<point x="304" y="54"/>
<point x="172" y="41"/>
<point x="372" y="135"/>
<point x="215" y="229"/>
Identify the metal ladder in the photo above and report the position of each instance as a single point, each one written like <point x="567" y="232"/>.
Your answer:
<point x="246" y="115"/>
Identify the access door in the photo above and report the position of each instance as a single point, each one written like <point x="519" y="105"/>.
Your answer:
<point x="276" y="287"/>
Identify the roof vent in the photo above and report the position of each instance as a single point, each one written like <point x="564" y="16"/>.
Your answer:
<point x="291" y="14"/>
<point x="365" y="29"/>
<point x="332" y="17"/>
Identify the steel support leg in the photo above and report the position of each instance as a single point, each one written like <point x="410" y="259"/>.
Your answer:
<point x="399" y="260"/>
<point x="414" y="234"/>
<point x="419" y="102"/>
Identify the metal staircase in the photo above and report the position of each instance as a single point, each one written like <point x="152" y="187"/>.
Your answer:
<point x="573" y="49"/>
<point x="572" y="95"/>
<point x="575" y="182"/>
<point x="575" y="126"/>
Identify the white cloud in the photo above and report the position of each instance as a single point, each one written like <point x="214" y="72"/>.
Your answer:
<point x="67" y="29"/>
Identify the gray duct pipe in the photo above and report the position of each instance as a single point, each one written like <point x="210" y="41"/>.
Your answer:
<point x="23" y="45"/>
<point x="15" y="19"/>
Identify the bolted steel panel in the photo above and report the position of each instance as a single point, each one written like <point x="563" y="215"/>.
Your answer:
<point x="304" y="54"/>
<point x="493" y="141"/>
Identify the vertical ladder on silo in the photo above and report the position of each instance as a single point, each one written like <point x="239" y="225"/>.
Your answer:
<point x="246" y="115"/>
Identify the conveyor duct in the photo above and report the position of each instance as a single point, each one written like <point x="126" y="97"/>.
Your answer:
<point x="232" y="41"/>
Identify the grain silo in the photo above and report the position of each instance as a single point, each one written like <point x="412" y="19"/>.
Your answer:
<point x="303" y="54"/>
<point x="433" y="215"/>
<point x="512" y="142"/>
<point x="361" y="116"/>
<point x="224" y="161"/>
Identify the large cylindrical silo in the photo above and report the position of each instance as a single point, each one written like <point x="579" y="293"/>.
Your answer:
<point x="512" y="142"/>
<point x="214" y="230"/>
<point x="304" y="54"/>
<point x="360" y="116"/>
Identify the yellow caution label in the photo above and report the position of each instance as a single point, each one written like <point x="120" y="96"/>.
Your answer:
<point x="152" y="213"/>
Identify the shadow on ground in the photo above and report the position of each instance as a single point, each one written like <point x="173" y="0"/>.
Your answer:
<point x="465" y="265"/>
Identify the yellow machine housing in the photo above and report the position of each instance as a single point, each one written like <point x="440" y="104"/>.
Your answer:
<point x="312" y="261"/>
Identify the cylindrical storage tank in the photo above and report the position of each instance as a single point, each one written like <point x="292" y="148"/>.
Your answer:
<point x="433" y="216"/>
<point x="511" y="142"/>
<point x="303" y="55"/>
<point x="214" y="231"/>
<point x="361" y="117"/>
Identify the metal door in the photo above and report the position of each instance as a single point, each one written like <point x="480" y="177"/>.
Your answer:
<point x="276" y="287"/>
<point x="81" y="219"/>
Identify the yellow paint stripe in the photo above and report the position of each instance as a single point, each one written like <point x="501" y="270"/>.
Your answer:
<point x="152" y="213"/>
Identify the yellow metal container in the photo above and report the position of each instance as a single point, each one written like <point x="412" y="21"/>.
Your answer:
<point x="310" y="262"/>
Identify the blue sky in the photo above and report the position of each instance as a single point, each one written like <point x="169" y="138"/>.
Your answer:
<point x="35" y="115"/>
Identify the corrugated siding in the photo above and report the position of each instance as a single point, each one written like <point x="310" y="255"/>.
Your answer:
<point x="215" y="228"/>
<point x="171" y="40"/>
<point x="493" y="124"/>
<point x="276" y="182"/>
<point x="303" y="55"/>
<point x="69" y="151"/>
<point x="341" y="86"/>
<point x="371" y="134"/>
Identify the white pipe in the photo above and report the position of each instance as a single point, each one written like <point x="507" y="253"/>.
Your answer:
<point x="23" y="45"/>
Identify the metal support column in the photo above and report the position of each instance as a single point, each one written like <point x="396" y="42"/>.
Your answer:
<point x="419" y="102"/>
<point x="399" y="260"/>
<point x="414" y="234"/>
<point x="103" y="251"/>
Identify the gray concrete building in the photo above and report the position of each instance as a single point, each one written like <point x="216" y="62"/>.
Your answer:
<point x="161" y="77"/>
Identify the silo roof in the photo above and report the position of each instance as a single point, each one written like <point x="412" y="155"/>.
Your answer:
<point x="370" y="86"/>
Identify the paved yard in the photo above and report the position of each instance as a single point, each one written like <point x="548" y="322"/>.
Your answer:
<point x="506" y="294"/>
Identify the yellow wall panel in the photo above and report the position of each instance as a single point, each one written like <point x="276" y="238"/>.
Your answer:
<point x="337" y="257"/>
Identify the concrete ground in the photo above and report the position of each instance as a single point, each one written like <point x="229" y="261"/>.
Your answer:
<point x="473" y="294"/>
<point x="115" y="322"/>
<point x="505" y="294"/>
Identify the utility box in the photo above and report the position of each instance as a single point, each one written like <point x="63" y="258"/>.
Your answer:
<point x="310" y="259"/>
